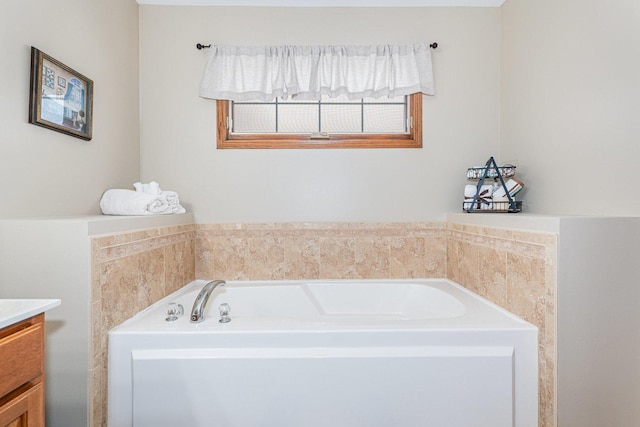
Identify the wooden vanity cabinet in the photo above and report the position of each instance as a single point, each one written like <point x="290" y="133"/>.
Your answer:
<point x="22" y="373"/>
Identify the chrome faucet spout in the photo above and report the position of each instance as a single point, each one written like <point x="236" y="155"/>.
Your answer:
<point x="199" y="305"/>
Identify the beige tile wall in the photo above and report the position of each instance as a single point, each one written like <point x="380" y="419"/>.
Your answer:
<point x="130" y="271"/>
<point x="514" y="269"/>
<point x="320" y="250"/>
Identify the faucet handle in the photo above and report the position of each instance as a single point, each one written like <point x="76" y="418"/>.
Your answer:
<point x="173" y="311"/>
<point x="224" y="313"/>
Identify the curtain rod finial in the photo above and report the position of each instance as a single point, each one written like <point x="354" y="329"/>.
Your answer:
<point x="433" y="45"/>
<point x="201" y="46"/>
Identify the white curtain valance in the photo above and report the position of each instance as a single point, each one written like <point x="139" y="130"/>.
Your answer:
<point x="308" y="72"/>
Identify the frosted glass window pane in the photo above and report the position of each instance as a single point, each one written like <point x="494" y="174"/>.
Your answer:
<point x="298" y="118"/>
<point x="341" y="118"/>
<point x="335" y="115"/>
<point x="384" y="119"/>
<point x="252" y="118"/>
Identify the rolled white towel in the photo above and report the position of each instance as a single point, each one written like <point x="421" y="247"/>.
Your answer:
<point x="172" y="199"/>
<point x="150" y="188"/>
<point x="171" y="196"/>
<point x="159" y="206"/>
<point x="153" y="188"/>
<point x="129" y="202"/>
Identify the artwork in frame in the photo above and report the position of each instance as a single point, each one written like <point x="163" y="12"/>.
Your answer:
<point x="61" y="98"/>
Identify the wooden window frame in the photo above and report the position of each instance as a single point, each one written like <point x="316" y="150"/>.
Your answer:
<point x="412" y="139"/>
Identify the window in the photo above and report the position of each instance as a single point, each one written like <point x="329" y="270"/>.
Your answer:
<point x="329" y="123"/>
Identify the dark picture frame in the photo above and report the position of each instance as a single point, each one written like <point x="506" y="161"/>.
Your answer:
<point x="61" y="99"/>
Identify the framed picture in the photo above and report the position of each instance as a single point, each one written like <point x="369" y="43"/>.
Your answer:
<point x="61" y="98"/>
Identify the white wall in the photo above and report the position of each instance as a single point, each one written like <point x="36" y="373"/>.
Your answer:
<point x="570" y="102"/>
<point x="50" y="259"/>
<point x="461" y="123"/>
<point x="45" y="173"/>
<point x="598" y="328"/>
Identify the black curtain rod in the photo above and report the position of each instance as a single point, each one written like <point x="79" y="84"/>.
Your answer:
<point x="201" y="46"/>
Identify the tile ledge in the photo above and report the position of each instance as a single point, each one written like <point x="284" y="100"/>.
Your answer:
<point x="512" y="221"/>
<point x="110" y="224"/>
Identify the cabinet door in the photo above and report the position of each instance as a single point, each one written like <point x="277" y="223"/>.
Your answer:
<point x="21" y="354"/>
<point x="25" y="410"/>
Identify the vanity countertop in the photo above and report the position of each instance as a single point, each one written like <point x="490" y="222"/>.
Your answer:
<point x="15" y="310"/>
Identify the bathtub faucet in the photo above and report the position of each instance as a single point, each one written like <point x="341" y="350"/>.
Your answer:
<point x="197" y="313"/>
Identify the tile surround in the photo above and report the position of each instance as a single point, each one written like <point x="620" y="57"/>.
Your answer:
<point x="326" y="251"/>
<point x="514" y="269"/>
<point x="130" y="271"/>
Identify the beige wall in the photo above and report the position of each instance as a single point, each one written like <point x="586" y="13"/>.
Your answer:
<point x="45" y="173"/>
<point x="461" y="123"/>
<point x="548" y="85"/>
<point x="570" y="100"/>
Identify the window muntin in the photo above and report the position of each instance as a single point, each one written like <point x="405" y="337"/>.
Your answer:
<point x="331" y="115"/>
<point x="329" y="123"/>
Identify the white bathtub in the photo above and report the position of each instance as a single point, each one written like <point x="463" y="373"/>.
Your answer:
<point x="399" y="353"/>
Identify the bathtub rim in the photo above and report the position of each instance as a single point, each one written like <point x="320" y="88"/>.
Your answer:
<point x="502" y="319"/>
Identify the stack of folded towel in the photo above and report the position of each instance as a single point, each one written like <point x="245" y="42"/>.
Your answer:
<point x="484" y="196"/>
<point x="491" y="196"/>
<point x="147" y="199"/>
<point x="513" y="186"/>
